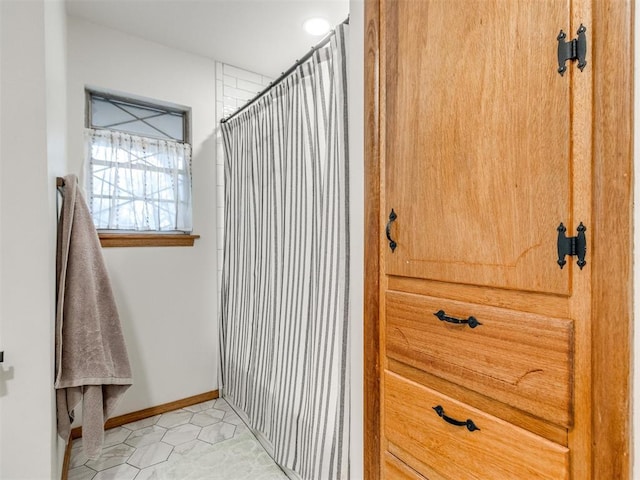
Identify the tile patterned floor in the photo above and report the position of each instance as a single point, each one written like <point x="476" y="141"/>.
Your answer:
<point x="205" y="441"/>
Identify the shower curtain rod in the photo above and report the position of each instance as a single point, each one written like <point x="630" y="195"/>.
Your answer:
<point x="284" y="75"/>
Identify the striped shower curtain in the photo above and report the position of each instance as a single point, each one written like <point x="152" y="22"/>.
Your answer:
<point x="286" y="269"/>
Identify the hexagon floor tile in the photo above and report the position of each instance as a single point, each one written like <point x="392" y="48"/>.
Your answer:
<point x="186" y="443"/>
<point x="173" y="419"/>
<point x="146" y="436"/>
<point x="182" y="434"/>
<point x="218" y="432"/>
<point x="151" y="454"/>
<point x="207" y="417"/>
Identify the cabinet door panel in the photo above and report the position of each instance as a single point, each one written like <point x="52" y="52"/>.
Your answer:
<point x="477" y="142"/>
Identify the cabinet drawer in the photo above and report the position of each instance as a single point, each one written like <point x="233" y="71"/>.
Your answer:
<point x="497" y="450"/>
<point x="394" y="469"/>
<point x="521" y="359"/>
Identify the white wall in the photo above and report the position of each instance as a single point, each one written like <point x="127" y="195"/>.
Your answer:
<point x="32" y="153"/>
<point x="356" y="211"/>
<point x="55" y="31"/>
<point x="167" y="296"/>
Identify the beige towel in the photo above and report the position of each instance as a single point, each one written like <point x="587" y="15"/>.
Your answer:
<point x="92" y="364"/>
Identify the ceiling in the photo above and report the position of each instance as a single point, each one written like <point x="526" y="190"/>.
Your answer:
<point x="263" y="36"/>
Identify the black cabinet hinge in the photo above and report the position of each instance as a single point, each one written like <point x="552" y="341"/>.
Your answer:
<point x="575" y="246"/>
<point x="575" y="49"/>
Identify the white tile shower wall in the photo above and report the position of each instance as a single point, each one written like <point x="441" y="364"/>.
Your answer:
<point x="234" y="87"/>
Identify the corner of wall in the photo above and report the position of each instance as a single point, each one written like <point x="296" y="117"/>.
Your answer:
<point x="33" y="150"/>
<point x="356" y="203"/>
<point x="56" y="112"/>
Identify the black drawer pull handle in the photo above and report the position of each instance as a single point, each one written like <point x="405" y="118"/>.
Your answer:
<point x="392" y="242"/>
<point x="471" y="321"/>
<point x="467" y="423"/>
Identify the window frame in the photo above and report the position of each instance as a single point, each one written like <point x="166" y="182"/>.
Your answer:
<point x="135" y="101"/>
<point x="127" y="238"/>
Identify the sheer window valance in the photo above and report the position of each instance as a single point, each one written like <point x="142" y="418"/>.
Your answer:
<point x="138" y="183"/>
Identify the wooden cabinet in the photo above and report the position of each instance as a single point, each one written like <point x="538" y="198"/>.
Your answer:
<point x="483" y="160"/>
<point x="478" y="151"/>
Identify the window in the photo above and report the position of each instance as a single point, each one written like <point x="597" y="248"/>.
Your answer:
<point x="138" y="165"/>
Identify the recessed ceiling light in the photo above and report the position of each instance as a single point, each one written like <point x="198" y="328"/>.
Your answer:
<point x="316" y="26"/>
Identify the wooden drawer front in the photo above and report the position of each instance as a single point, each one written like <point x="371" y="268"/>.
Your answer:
<point x="394" y="469"/>
<point x="521" y="359"/>
<point x="496" y="451"/>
